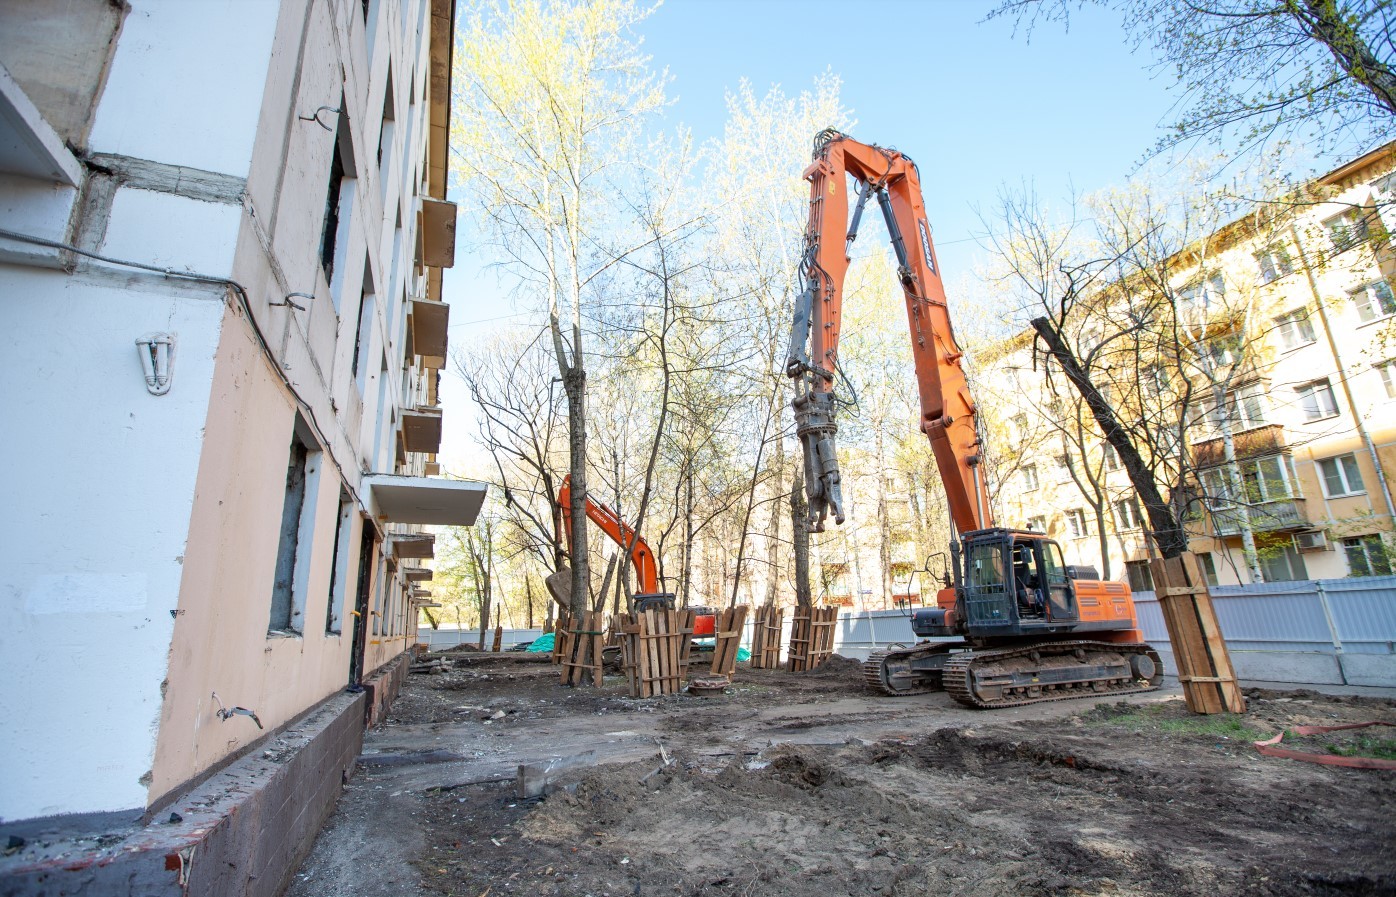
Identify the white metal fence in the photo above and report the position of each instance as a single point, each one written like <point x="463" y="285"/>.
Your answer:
<point x="1321" y="632"/>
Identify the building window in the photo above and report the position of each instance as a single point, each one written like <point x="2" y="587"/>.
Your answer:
<point x="1209" y="566"/>
<point x="1295" y="329"/>
<point x="1341" y="476"/>
<point x="1109" y="457"/>
<point x="1225" y="350"/>
<point x="1387" y="371"/>
<point x="1348" y="229"/>
<point x="1264" y="479"/>
<point x="1282" y="564"/>
<point x="1317" y="400"/>
<point x="1373" y="301"/>
<point x="1201" y="296"/>
<point x="1030" y="477"/>
<point x="1245" y="407"/>
<point x="1274" y="263"/>
<point x="339" y="566"/>
<point x="1367" y="556"/>
<point x="1020" y="427"/>
<point x="1064" y="468"/>
<point x="1127" y="514"/>
<point x="339" y="200"/>
<point x="296" y="533"/>
<point x="1140" y="579"/>
<point x="1076" y="523"/>
<point x="1037" y="523"/>
<point x="1154" y="381"/>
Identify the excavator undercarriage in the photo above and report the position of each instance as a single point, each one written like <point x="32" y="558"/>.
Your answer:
<point x="986" y="677"/>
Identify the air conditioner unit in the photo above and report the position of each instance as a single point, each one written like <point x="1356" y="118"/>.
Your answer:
<point x="1314" y="541"/>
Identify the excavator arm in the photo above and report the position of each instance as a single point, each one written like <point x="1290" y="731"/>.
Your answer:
<point x="947" y="408"/>
<point x="619" y="531"/>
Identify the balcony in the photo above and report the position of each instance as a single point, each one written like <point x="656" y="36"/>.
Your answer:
<point x="1269" y="439"/>
<point x="430" y="322"/>
<point x="1265" y="517"/>
<point x="421" y="430"/>
<point x="424" y="500"/>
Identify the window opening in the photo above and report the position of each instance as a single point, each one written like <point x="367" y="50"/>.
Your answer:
<point x="1341" y="476"/>
<point x="296" y="533"/>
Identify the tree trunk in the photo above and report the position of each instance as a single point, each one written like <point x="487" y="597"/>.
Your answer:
<point x="1167" y="529"/>
<point x="773" y="529"/>
<point x="799" y="522"/>
<point x="688" y="536"/>
<point x="884" y="523"/>
<point x="574" y="383"/>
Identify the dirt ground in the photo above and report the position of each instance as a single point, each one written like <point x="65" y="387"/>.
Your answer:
<point x="809" y="785"/>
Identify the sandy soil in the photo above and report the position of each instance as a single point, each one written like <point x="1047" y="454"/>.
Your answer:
<point x="811" y="786"/>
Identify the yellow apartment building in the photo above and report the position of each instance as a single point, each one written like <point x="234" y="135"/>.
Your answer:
<point x="1290" y="330"/>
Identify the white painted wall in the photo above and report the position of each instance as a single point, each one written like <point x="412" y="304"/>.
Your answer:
<point x="99" y="485"/>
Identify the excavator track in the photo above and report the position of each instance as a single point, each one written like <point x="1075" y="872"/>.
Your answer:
<point x="1048" y="671"/>
<point x="890" y="672"/>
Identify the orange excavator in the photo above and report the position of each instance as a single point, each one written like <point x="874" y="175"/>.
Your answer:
<point x="624" y="535"/>
<point x="1030" y="628"/>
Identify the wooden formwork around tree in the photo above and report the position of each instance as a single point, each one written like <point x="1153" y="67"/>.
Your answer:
<point x="498" y="638"/>
<point x="811" y="637"/>
<point x="654" y="650"/>
<point x="765" y="638"/>
<point x="1204" y="666"/>
<point x="580" y="649"/>
<point x="727" y="635"/>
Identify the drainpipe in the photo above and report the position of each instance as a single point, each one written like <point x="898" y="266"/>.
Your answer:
<point x="1343" y="378"/>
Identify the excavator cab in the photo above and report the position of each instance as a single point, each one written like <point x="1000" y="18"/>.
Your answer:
<point x="1013" y="582"/>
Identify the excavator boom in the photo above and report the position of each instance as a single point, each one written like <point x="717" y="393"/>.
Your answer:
<point x="1021" y="610"/>
<point x="620" y="532"/>
<point x="947" y="409"/>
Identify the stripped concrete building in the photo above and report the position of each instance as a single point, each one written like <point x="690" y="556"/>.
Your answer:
<point x="222" y="233"/>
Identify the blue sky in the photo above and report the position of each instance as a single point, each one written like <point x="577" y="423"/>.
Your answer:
<point x="976" y="106"/>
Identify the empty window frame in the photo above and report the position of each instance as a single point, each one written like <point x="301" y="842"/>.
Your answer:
<point x="1076" y="523"/>
<point x="1373" y="301"/>
<point x="1367" y="556"/>
<point x="340" y="569"/>
<point x="1317" y="400"/>
<point x="1341" y="476"/>
<point x="296" y="534"/>
<point x="1029" y="477"/>
<point x="1295" y="329"/>
<point x="339" y="201"/>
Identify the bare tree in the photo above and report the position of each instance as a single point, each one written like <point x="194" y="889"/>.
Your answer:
<point x="550" y="101"/>
<point x="1255" y="70"/>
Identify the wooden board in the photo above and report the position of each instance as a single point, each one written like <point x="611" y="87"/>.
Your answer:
<point x="765" y="638"/>
<point x="1204" y="665"/>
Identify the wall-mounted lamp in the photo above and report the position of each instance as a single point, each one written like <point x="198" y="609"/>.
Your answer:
<point x="157" y="351"/>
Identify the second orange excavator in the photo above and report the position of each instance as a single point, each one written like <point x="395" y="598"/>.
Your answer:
<point x="1030" y="627"/>
<point x="646" y="570"/>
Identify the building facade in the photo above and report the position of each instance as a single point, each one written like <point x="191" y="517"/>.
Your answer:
<point x="224" y="225"/>
<point x="1289" y="335"/>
